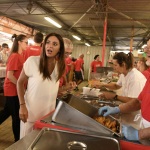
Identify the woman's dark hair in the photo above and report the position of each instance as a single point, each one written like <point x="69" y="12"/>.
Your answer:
<point x="128" y="59"/>
<point x="43" y="66"/>
<point x="96" y="57"/>
<point x="15" y="46"/>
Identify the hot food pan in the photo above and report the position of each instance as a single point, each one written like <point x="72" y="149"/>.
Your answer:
<point x="79" y="114"/>
<point x="53" y="139"/>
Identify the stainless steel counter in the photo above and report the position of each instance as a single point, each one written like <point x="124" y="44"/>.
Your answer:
<point x="25" y="142"/>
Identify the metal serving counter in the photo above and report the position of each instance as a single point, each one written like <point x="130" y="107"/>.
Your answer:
<point x="46" y="121"/>
<point x="25" y="142"/>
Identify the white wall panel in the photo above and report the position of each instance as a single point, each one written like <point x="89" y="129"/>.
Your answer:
<point x="89" y="53"/>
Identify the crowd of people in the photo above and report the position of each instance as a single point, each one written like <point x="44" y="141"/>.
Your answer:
<point x="33" y="79"/>
<point x="36" y="74"/>
<point x="135" y="94"/>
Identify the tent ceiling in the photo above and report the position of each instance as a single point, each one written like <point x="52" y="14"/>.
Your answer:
<point x="127" y="19"/>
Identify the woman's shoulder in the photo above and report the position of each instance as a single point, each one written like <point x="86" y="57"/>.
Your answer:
<point x="33" y="58"/>
<point x="14" y="55"/>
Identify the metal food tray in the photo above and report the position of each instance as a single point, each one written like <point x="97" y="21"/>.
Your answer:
<point x="100" y="103"/>
<point x="79" y="104"/>
<point x="97" y="102"/>
<point x="54" y="139"/>
<point x="79" y="114"/>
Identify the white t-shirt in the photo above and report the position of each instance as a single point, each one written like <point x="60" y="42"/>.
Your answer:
<point x="41" y="94"/>
<point x="132" y="84"/>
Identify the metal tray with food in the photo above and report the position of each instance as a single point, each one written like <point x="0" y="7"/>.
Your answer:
<point x="54" y="139"/>
<point x="109" y="122"/>
<point x="79" y="114"/>
<point x="101" y="103"/>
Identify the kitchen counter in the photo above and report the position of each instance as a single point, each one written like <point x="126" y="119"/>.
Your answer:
<point x="25" y="142"/>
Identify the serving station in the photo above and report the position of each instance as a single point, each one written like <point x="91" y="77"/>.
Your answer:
<point x="73" y="126"/>
<point x="76" y="125"/>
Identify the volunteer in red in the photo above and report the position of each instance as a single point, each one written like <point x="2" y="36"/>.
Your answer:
<point x="34" y="50"/>
<point x="68" y="51"/>
<point x="13" y="69"/>
<point x="79" y="69"/>
<point x="96" y="63"/>
<point x="68" y="62"/>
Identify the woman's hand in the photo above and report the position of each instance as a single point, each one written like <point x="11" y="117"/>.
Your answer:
<point x="23" y="113"/>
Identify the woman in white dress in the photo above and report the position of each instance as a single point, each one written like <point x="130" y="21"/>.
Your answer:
<point x="42" y="73"/>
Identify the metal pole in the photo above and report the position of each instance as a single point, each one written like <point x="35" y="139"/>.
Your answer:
<point x="104" y="40"/>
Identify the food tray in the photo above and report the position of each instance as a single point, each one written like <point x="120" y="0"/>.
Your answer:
<point x="54" y="139"/>
<point x="98" y="104"/>
<point x="79" y="114"/>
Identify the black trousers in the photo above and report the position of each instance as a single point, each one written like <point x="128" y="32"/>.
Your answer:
<point x="11" y="108"/>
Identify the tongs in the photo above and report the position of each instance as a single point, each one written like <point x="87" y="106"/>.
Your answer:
<point x="107" y="102"/>
<point x="90" y="97"/>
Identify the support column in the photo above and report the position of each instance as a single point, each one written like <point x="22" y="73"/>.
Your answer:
<point x="104" y="40"/>
<point x="131" y="40"/>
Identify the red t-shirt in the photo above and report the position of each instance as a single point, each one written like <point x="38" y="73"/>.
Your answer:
<point x="78" y="64"/>
<point x="32" y="51"/>
<point x="15" y="63"/>
<point x="95" y="64"/>
<point x="144" y="97"/>
<point x="146" y="73"/>
<point x="68" y="63"/>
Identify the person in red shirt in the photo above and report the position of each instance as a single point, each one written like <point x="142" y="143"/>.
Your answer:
<point x="79" y="69"/>
<point x="64" y="84"/>
<point x="13" y="69"/>
<point x="68" y="62"/>
<point x="71" y="73"/>
<point x="34" y="50"/>
<point x="68" y="51"/>
<point x="96" y="63"/>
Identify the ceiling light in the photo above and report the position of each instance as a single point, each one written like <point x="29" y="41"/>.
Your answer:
<point x="87" y="44"/>
<point x="52" y="22"/>
<point x="76" y="37"/>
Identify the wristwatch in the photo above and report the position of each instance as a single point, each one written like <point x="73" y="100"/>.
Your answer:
<point x="116" y="97"/>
